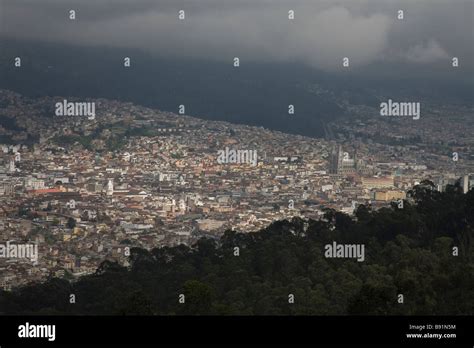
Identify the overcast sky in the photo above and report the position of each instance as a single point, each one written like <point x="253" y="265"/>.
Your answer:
<point x="322" y="33"/>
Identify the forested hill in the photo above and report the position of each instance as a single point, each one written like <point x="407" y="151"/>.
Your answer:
<point x="409" y="252"/>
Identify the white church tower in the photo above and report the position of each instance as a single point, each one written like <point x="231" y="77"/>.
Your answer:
<point x="11" y="166"/>
<point x="110" y="188"/>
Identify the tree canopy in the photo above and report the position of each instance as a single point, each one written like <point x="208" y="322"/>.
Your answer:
<point x="409" y="251"/>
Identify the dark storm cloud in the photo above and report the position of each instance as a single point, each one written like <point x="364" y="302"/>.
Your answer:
<point x="322" y="33"/>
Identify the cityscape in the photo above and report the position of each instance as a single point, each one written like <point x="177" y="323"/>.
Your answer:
<point x="236" y="171"/>
<point x="90" y="189"/>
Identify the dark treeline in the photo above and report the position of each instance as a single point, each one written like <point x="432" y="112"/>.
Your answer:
<point x="408" y="251"/>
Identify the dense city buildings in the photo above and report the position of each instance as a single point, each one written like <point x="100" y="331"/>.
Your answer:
<point x="88" y="189"/>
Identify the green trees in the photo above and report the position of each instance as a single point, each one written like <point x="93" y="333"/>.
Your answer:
<point x="419" y="260"/>
<point x="197" y="298"/>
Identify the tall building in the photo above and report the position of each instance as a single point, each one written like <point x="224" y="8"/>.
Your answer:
<point x="467" y="182"/>
<point x="11" y="166"/>
<point x="110" y="188"/>
<point x="341" y="163"/>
